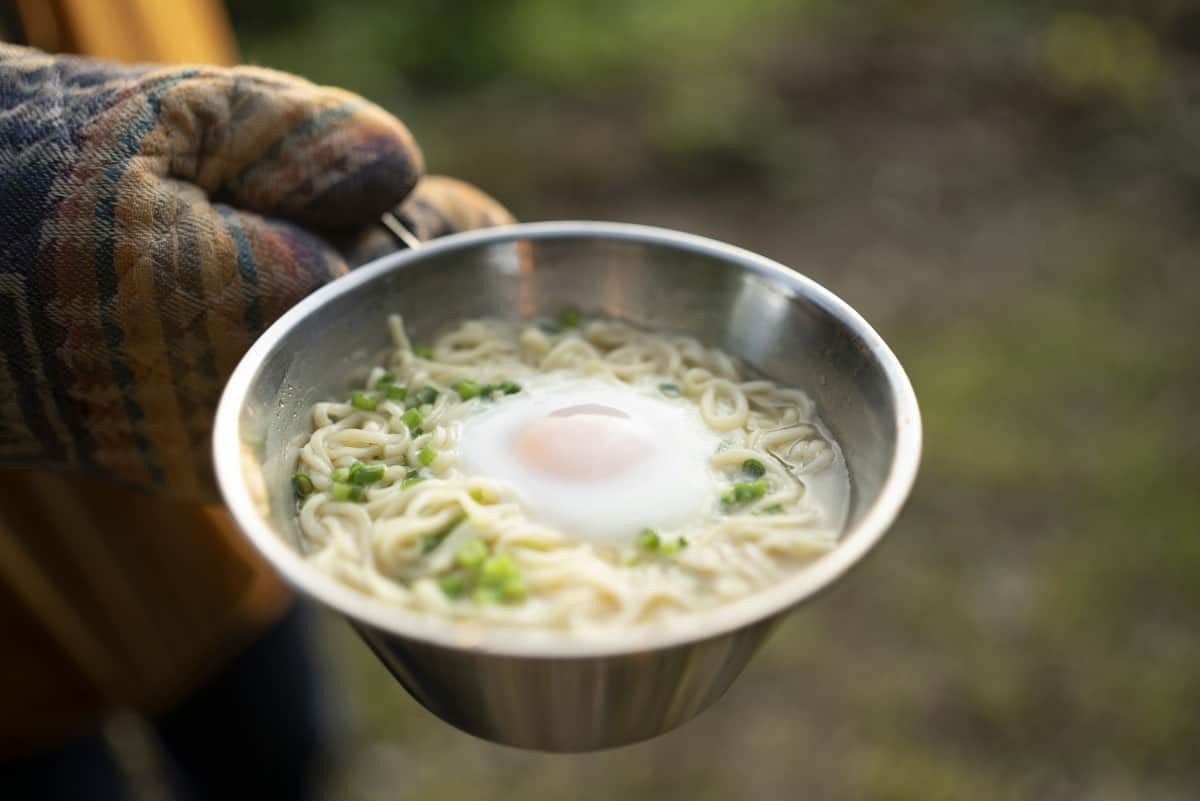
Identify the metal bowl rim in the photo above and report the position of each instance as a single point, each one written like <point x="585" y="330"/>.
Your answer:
<point x="856" y="542"/>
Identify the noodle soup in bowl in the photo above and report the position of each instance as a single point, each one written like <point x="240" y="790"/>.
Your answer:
<point x="564" y="477"/>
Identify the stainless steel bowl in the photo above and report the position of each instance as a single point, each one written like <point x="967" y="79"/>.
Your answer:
<point x="537" y="689"/>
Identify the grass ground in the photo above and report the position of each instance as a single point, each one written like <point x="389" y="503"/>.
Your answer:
<point x="1029" y="243"/>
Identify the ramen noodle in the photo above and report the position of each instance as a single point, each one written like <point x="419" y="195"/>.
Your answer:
<point x="570" y="474"/>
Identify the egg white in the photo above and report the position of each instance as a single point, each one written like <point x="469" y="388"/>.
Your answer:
<point x="669" y="486"/>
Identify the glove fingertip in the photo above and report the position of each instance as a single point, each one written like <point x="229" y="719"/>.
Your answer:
<point x="318" y="156"/>
<point x="386" y="172"/>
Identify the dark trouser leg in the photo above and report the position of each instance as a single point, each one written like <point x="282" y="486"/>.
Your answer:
<point x="257" y="730"/>
<point x="82" y="770"/>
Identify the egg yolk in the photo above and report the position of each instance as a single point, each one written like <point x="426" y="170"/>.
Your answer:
<point x="586" y="442"/>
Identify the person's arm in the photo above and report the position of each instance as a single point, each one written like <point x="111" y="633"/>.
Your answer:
<point x="153" y="221"/>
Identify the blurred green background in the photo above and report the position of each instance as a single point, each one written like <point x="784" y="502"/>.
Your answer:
<point x="1010" y="192"/>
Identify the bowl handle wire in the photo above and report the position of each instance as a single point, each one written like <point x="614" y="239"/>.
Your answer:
<point x="397" y="229"/>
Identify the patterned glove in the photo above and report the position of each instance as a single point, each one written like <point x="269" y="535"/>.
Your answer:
<point x="152" y="223"/>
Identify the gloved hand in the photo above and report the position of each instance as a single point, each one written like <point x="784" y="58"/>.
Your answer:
<point x="153" y="221"/>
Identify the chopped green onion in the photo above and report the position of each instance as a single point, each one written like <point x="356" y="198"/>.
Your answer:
<point x="361" y="400"/>
<point x="348" y="492"/>
<point x="303" y="485"/>
<point x="340" y="474"/>
<point x="498" y="569"/>
<point x="387" y="379"/>
<point x="412" y="472"/>
<point x="509" y="387"/>
<point x="408" y="482"/>
<point x="753" y="468"/>
<point x="569" y="318"/>
<point x="672" y="548"/>
<point x="412" y="418"/>
<point x="750" y="490"/>
<point x="485" y="595"/>
<point x="423" y="351"/>
<point x="483" y="495"/>
<point x="466" y="389"/>
<point x="773" y="509"/>
<point x="512" y="590"/>
<point x="471" y="554"/>
<point x="648" y="539"/>
<point x="426" y="456"/>
<point x="744" y="491"/>
<point x="670" y="390"/>
<point x="396" y="393"/>
<point x="367" y="475"/>
<point x="453" y="585"/>
<point x="425" y="394"/>
<point x="486" y="390"/>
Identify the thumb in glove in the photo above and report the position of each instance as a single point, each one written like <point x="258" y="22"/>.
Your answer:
<point x="152" y="223"/>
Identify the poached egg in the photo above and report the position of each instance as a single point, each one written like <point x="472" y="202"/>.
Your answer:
<point x="600" y="460"/>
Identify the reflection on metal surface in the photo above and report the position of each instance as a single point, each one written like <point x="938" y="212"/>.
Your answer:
<point x="756" y="315"/>
<point x="527" y="305"/>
